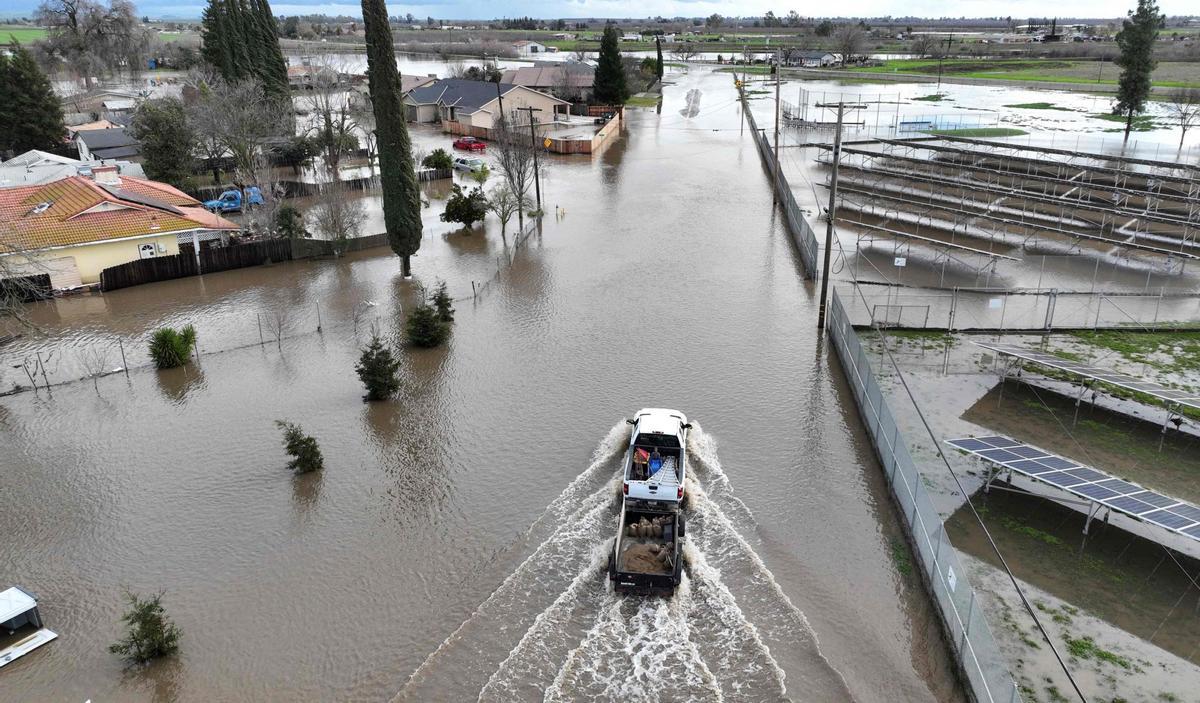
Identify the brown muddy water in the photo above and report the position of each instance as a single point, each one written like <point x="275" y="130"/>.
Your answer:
<point x="453" y="547"/>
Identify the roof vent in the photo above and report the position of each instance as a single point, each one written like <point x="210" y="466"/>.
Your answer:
<point x="40" y="208"/>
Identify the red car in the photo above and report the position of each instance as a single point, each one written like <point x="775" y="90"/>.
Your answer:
<point x="469" y="144"/>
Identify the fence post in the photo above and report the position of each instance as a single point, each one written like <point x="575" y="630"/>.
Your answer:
<point x="261" y="341"/>
<point x="124" y="364"/>
<point x="318" y="303"/>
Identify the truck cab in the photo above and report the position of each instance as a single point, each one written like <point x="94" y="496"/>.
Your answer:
<point x="656" y="462"/>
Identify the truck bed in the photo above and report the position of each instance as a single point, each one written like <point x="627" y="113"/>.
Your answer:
<point x="651" y="546"/>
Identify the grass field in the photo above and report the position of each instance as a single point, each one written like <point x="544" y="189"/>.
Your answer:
<point x="980" y="132"/>
<point x="643" y="101"/>
<point x="1169" y="74"/>
<point x="25" y="35"/>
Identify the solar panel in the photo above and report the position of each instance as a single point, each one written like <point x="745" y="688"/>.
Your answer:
<point x="1085" y="481"/>
<point x="1116" y="378"/>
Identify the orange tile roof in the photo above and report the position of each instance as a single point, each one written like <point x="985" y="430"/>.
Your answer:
<point x="134" y="208"/>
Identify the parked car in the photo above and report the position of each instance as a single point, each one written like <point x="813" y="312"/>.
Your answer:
<point x="233" y="201"/>
<point x="469" y="144"/>
<point x="463" y="163"/>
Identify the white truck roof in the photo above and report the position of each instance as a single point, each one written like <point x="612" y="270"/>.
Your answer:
<point x="659" y="420"/>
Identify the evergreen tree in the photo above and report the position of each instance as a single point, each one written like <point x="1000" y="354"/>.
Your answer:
<point x="465" y="207"/>
<point x="425" y="327"/>
<point x="398" y="177"/>
<point x="1136" y="42"/>
<point x="304" y="450"/>
<point x="609" y="86"/>
<point x="269" y="62"/>
<point x="443" y="303"/>
<point x="150" y="633"/>
<point x="239" y="38"/>
<point x="658" y="64"/>
<point x="168" y="143"/>
<point x="378" y="370"/>
<point x="31" y="115"/>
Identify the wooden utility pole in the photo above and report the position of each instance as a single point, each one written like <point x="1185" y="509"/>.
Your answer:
<point x="949" y="40"/>
<point x="537" y="182"/>
<point x="831" y="212"/>
<point x="778" y="109"/>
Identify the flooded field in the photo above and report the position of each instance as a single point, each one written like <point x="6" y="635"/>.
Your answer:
<point x="453" y="546"/>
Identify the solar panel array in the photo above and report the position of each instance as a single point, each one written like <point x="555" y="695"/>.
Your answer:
<point x="1095" y="485"/>
<point x="1133" y="383"/>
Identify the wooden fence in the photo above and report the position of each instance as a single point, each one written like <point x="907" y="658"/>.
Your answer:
<point x="212" y="260"/>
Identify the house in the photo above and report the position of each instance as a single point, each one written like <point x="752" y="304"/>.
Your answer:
<point x="72" y="130"/>
<point x="809" y="59"/>
<point x="525" y="47"/>
<point x="569" y="81"/>
<point x="631" y="37"/>
<point x="76" y="227"/>
<point x="360" y="94"/>
<point x="477" y="103"/>
<point x="105" y="144"/>
<point x="39" y="167"/>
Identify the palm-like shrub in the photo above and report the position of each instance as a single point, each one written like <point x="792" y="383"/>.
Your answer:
<point x="171" y="348"/>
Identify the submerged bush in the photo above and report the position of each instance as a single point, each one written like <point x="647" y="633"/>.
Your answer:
<point x="305" y="453"/>
<point x="425" y="327"/>
<point x="377" y="369"/>
<point x="439" y="159"/>
<point x="171" y="348"/>
<point x="443" y="303"/>
<point x="149" y="632"/>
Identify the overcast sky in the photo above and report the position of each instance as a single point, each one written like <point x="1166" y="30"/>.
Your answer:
<point x="466" y="9"/>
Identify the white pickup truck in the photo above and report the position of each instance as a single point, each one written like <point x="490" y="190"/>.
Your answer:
<point x="656" y="462"/>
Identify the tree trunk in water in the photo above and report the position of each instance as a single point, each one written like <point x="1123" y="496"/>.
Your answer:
<point x="1128" y="124"/>
<point x="405" y="267"/>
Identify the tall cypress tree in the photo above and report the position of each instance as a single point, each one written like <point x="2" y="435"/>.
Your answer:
<point x="271" y="67"/>
<point x="31" y="115"/>
<point x="609" y="85"/>
<point x="1136" y="42"/>
<point x="658" y="64"/>
<point x="398" y="178"/>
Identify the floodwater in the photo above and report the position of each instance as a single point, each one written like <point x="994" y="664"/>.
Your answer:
<point x="453" y="546"/>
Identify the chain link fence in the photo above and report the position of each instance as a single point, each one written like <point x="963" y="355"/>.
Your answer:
<point x="986" y="670"/>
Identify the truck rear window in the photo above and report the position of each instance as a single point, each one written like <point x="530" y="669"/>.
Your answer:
<point x="647" y="439"/>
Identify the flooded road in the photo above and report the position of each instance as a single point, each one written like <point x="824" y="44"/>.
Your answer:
<point x="453" y="546"/>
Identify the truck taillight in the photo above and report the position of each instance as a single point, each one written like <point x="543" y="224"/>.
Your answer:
<point x="625" y="489"/>
<point x="679" y="493"/>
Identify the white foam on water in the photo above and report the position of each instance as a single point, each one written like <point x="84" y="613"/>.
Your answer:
<point x="778" y="619"/>
<point x="729" y="642"/>
<point x="640" y="649"/>
<point x="560" y="556"/>
<point x="535" y="661"/>
<point x="702" y="447"/>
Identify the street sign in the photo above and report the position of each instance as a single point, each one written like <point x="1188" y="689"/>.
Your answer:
<point x="547" y="142"/>
<point x="901" y="262"/>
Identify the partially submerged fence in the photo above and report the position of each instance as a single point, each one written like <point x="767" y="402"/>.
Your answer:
<point x="985" y="670"/>
<point x="797" y="226"/>
<point x="1016" y="311"/>
<point x="212" y="260"/>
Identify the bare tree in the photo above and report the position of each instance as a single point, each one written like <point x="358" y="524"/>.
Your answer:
<point x="237" y="119"/>
<point x="338" y="216"/>
<point x="278" y="321"/>
<point x="19" y="264"/>
<point x="332" y="126"/>
<point x="848" y="39"/>
<point x="364" y="117"/>
<point x="94" y="360"/>
<point x="925" y="45"/>
<point x="513" y="149"/>
<point x="504" y="203"/>
<point x="1183" y="107"/>
<point x="580" y="55"/>
<point x="92" y="39"/>
<point x="685" y="51"/>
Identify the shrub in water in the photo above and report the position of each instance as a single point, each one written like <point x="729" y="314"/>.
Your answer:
<point x="439" y="159"/>
<point x="377" y="369"/>
<point x="443" y="304"/>
<point x="149" y="632"/>
<point x="170" y="348"/>
<point x="425" y="328"/>
<point x="306" y="455"/>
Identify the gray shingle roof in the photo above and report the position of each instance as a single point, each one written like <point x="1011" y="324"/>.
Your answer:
<point x="467" y="96"/>
<point x="107" y="138"/>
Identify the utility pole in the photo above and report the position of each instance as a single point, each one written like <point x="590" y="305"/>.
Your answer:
<point x="949" y="39"/>
<point x="537" y="181"/>
<point x="775" y="186"/>
<point x="831" y="213"/>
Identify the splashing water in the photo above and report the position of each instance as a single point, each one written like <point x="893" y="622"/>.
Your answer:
<point x="554" y="629"/>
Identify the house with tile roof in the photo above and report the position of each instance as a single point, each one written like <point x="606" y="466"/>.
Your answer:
<point x="477" y="103"/>
<point x="569" y="81"/>
<point x="76" y="227"/>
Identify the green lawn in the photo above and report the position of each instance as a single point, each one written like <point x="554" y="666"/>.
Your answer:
<point x="978" y="132"/>
<point x="643" y="101"/>
<point x="25" y="35"/>
<point x="934" y="98"/>
<point x="1169" y="74"/>
<point x="1039" y="106"/>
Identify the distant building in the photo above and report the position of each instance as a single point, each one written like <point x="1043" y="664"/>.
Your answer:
<point x="477" y="103"/>
<point x="810" y="59"/>
<point x="527" y="48"/>
<point x="631" y="37"/>
<point x="39" y="167"/>
<point x="569" y="81"/>
<point x="76" y="227"/>
<point x="103" y="144"/>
